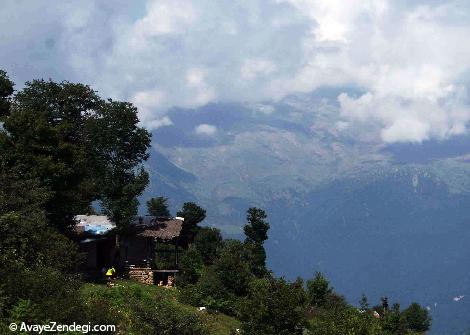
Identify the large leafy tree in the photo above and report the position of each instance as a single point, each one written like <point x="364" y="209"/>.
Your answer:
<point x="117" y="146"/>
<point x="79" y="147"/>
<point x="44" y="139"/>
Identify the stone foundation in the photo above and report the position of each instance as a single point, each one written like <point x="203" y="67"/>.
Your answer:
<point x="142" y="275"/>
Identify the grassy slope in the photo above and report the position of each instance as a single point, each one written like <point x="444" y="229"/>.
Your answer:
<point x="218" y="324"/>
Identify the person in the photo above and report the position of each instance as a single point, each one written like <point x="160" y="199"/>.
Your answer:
<point x="110" y="274"/>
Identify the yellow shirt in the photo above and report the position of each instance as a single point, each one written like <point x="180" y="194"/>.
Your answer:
<point x="110" y="271"/>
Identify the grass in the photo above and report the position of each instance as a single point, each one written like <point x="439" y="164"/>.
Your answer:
<point x="117" y="298"/>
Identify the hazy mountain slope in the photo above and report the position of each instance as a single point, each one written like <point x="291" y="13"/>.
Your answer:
<point x="386" y="219"/>
<point x="399" y="234"/>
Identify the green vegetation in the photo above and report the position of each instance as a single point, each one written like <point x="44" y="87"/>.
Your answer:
<point x="143" y="309"/>
<point x="158" y="207"/>
<point x="63" y="147"/>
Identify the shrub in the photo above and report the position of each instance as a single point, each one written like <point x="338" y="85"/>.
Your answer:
<point x="273" y="307"/>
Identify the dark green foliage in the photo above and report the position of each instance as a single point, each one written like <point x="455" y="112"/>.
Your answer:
<point x="211" y="292"/>
<point x="192" y="214"/>
<point x="35" y="260"/>
<point x="256" y="232"/>
<point x="232" y="267"/>
<point x="256" y="229"/>
<point x="44" y="139"/>
<point x="191" y="263"/>
<point x="6" y="89"/>
<point x="394" y="322"/>
<point x="417" y="318"/>
<point x="257" y="259"/>
<point x="119" y="147"/>
<point x="222" y="285"/>
<point x="78" y="146"/>
<point x="208" y="242"/>
<point x="318" y="290"/>
<point x="273" y="307"/>
<point x="158" y="207"/>
<point x="140" y="310"/>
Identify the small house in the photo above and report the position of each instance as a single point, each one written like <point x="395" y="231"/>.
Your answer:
<point x="148" y="252"/>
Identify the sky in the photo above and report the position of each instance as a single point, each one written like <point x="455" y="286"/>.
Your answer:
<point x="409" y="59"/>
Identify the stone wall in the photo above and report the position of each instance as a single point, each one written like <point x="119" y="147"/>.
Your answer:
<point x="142" y="275"/>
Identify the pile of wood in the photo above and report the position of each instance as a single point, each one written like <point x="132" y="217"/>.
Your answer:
<point x="142" y="275"/>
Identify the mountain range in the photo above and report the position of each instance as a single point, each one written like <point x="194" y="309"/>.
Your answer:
<point x="384" y="219"/>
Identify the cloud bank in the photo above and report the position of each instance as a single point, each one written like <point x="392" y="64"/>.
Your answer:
<point x="410" y="59"/>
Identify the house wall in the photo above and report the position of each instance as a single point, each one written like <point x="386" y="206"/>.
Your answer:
<point x="136" y="250"/>
<point x="90" y="250"/>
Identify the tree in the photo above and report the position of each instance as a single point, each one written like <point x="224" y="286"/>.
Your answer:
<point x="158" y="207"/>
<point x="364" y="303"/>
<point x="318" y="290"/>
<point x="384" y="304"/>
<point x="256" y="229"/>
<point x="117" y="146"/>
<point x="191" y="266"/>
<point x="44" y="139"/>
<point x="417" y="318"/>
<point x="273" y="307"/>
<point x="208" y="242"/>
<point x="192" y="214"/>
<point x="256" y="232"/>
<point x="232" y="267"/>
<point x="35" y="259"/>
<point x="6" y="90"/>
<point x="79" y="147"/>
<point x="394" y="322"/>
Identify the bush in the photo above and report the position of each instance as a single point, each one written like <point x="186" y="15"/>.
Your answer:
<point x="191" y="267"/>
<point x="318" y="290"/>
<point x="417" y="318"/>
<point x="208" y="242"/>
<point x="232" y="268"/>
<point x="211" y="293"/>
<point x="274" y="307"/>
<point x="161" y="317"/>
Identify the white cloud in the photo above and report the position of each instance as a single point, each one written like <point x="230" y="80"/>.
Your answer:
<point x="158" y="123"/>
<point x="196" y="82"/>
<point x="410" y="59"/>
<point x="205" y="129"/>
<point x="165" y="17"/>
<point x="252" y="68"/>
<point x="146" y="102"/>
